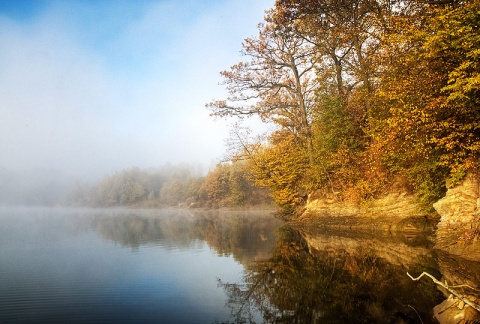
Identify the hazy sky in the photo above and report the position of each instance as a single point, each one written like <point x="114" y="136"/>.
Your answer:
<point x="94" y="86"/>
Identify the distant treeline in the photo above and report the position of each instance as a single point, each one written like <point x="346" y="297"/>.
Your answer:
<point x="228" y="185"/>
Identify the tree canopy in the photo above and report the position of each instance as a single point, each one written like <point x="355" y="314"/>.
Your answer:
<point x="363" y="93"/>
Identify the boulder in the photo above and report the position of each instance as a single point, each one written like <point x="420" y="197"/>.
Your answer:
<point x="454" y="311"/>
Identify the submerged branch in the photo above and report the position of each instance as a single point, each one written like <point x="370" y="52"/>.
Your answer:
<point x="447" y="287"/>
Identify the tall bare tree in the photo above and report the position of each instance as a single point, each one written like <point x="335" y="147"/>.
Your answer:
<point x="277" y="82"/>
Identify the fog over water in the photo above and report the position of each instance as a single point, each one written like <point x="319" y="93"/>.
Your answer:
<point x="92" y="87"/>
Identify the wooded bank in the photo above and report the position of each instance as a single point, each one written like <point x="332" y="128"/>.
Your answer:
<point x="369" y="100"/>
<point x="364" y="95"/>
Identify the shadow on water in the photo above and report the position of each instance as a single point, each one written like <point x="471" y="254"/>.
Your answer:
<point x="317" y="276"/>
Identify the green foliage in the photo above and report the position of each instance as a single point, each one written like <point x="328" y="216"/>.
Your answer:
<point x="337" y="142"/>
<point x="428" y="180"/>
<point x="178" y="191"/>
<point x="126" y="188"/>
<point x="240" y="186"/>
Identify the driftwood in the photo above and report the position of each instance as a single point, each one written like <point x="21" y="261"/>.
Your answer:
<point x="450" y="289"/>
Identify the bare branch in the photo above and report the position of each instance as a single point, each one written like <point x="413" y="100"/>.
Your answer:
<point x="449" y="288"/>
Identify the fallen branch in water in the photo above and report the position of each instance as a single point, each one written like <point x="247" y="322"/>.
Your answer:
<point x="447" y="287"/>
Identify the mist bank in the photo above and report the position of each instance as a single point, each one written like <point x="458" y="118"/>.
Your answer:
<point x="226" y="185"/>
<point x="33" y="187"/>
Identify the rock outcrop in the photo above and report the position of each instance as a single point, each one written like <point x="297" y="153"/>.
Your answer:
<point x="454" y="311"/>
<point x="395" y="205"/>
<point x="458" y="216"/>
<point x="458" y="231"/>
<point x="397" y="211"/>
<point x="464" y="276"/>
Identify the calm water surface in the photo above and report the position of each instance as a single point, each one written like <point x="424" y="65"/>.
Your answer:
<point x="159" y="266"/>
<point x="122" y="266"/>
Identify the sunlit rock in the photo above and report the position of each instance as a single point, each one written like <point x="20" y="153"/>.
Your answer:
<point x="454" y="311"/>
<point x="458" y="231"/>
<point x="395" y="205"/>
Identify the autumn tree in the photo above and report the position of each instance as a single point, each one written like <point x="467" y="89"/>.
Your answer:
<point x="400" y="90"/>
<point x="363" y="93"/>
<point x="231" y="185"/>
<point x="429" y="128"/>
<point x="276" y="82"/>
<point x="453" y="39"/>
<point x="346" y="39"/>
<point x="281" y="166"/>
<point x="216" y="187"/>
<point x="345" y="36"/>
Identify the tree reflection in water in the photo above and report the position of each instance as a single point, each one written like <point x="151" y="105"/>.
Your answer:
<point x="300" y="285"/>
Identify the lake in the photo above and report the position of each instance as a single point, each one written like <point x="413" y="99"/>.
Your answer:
<point x="177" y="266"/>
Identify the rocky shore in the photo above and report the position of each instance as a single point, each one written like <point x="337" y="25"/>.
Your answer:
<point x="458" y="231"/>
<point x="456" y="222"/>
<point x="453" y="230"/>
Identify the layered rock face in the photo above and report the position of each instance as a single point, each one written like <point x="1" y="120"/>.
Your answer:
<point x="458" y="231"/>
<point x="394" y="204"/>
<point x="396" y="211"/>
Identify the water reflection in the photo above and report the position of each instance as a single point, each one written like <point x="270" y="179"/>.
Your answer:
<point x="153" y="266"/>
<point x="322" y="277"/>
<point x="187" y="267"/>
<point x="246" y="236"/>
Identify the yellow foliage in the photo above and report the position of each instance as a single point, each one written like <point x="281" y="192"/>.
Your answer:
<point x="281" y="168"/>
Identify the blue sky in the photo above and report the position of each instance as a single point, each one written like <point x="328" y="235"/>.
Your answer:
<point x="91" y="87"/>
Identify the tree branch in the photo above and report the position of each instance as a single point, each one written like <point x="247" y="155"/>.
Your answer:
<point x="447" y="287"/>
